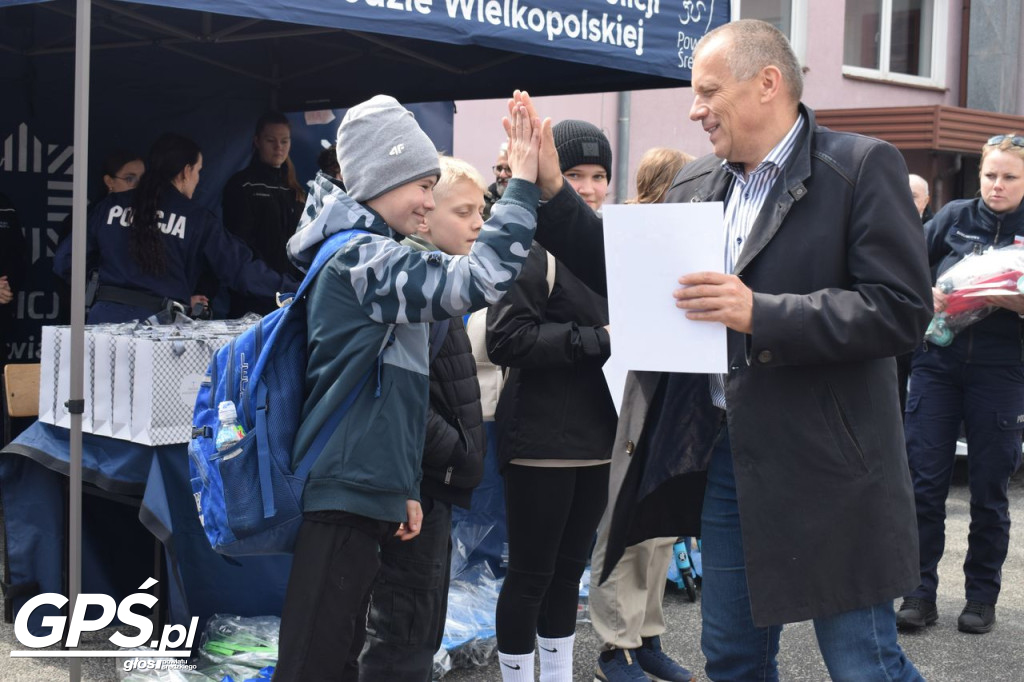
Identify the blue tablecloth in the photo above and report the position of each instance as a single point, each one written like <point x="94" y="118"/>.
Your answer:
<point x="115" y="546"/>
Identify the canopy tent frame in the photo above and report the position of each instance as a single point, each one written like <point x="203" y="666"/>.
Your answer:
<point x="134" y="26"/>
<point x="176" y="40"/>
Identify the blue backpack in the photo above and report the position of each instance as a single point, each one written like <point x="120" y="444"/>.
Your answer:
<point x="248" y="497"/>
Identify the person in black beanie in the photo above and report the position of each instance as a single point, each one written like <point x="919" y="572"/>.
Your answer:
<point x="555" y="423"/>
<point x="585" y="157"/>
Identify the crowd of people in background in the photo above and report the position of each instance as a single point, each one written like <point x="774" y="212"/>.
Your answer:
<point x="817" y="405"/>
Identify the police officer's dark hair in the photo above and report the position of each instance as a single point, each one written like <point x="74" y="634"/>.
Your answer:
<point x="277" y="118"/>
<point x="167" y="159"/>
<point x="111" y="165"/>
<point x="116" y="160"/>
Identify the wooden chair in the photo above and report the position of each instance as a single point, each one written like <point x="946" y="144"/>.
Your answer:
<point x="20" y="394"/>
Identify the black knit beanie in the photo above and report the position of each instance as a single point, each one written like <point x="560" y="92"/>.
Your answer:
<point x="579" y="142"/>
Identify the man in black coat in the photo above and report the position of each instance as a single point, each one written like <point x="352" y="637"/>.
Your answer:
<point x="801" y="443"/>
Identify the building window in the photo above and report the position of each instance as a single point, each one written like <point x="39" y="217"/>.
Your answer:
<point x="789" y="16"/>
<point x="897" y="40"/>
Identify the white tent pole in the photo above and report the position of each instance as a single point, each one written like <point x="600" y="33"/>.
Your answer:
<point x="83" y="44"/>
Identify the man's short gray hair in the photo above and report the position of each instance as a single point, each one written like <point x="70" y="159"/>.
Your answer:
<point x="757" y="44"/>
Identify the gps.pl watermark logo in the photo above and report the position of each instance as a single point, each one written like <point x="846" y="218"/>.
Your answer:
<point x="175" y="641"/>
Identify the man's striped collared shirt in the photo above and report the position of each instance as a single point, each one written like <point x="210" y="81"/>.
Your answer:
<point x="746" y="198"/>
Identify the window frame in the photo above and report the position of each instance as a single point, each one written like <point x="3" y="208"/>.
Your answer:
<point x="940" y="35"/>
<point x="797" y="28"/>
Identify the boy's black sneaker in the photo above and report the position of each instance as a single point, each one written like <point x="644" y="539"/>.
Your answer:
<point x="977" y="618"/>
<point x="916" y="613"/>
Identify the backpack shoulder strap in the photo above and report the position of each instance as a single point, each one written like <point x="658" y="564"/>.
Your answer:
<point x="550" y="273"/>
<point x="329" y="427"/>
<point x="327" y="250"/>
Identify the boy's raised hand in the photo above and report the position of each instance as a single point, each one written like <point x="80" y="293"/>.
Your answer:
<point x="523" y="142"/>
<point x="549" y="174"/>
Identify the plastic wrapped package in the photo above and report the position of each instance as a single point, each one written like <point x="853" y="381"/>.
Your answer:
<point x="469" y="634"/>
<point x="442" y="664"/>
<point x="234" y="640"/>
<point x="239" y="673"/>
<point x="466" y="537"/>
<point x="995" y="272"/>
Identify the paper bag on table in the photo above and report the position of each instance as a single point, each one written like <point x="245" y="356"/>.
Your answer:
<point x="49" y="358"/>
<point x="124" y="377"/>
<point x="167" y="377"/>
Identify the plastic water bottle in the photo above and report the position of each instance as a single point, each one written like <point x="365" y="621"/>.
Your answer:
<point x="229" y="432"/>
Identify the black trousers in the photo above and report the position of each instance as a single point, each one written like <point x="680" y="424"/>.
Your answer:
<point x="337" y="556"/>
<point x="552" y="517"/>
<point x="405" y="623"/>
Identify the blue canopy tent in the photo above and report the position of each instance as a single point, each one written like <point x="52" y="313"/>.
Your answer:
<point x="309" y="54"/>
<point x="178" y="60"/>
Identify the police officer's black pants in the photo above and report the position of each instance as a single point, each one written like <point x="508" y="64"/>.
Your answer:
<point x="990" y="402"/>
<point x="405" y="623"/>
<point x="337" y="556"/>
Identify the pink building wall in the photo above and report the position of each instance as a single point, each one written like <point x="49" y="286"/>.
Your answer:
<point x="660" y="117"/>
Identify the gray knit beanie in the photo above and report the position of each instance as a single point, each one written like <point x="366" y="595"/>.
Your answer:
<point x="579" y="142"/>
<point x="381" y="147"/>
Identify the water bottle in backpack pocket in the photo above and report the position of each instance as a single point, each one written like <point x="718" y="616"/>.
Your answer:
<point x="248" y="495"/>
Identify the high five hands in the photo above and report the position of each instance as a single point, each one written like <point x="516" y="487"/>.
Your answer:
<point x="706" y="296"/>
<point x="548" y="175"/>
<point x="524" y="141"/>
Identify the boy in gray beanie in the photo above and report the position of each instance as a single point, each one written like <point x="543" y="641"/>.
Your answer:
<point x="367" y="316"/>
<point x="381" y="147"/>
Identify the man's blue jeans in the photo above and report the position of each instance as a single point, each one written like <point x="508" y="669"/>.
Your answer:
<point x="857" y="646"/>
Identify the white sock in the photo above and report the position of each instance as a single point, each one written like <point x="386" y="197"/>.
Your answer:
<point x="516" y="667"/>
<point x="556" y="658"/>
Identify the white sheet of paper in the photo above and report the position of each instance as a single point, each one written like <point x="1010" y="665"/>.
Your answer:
<point x="615" y="376"/>
<point x="647" y="248"/>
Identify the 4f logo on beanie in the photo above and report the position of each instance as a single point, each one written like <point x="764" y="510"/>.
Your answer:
<point x="396" y="150"/>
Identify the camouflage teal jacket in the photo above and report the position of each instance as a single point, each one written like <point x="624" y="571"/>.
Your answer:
<point x="378" y="294"/>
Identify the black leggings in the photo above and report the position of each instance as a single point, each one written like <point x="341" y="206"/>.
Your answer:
<point x="552" y="514"/>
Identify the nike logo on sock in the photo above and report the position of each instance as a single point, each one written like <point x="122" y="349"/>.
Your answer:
<point x="513" y="667"/>
<point x="553" y="651"/>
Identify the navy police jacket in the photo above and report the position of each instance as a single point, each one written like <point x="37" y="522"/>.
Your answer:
<point x="261" y="210"/>
<point x="192" y="237"/>
<point x="963" y="227"/>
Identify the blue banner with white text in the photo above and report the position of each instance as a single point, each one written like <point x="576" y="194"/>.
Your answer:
<point x="654" y="37"/>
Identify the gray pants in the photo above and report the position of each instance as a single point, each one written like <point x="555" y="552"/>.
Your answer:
<point x="628" y="605"/>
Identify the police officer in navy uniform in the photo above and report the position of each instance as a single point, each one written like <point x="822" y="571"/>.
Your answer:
<point x="262" y="205"/>
<point x="151" y="244"/>
<point x="977" y="379"/>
